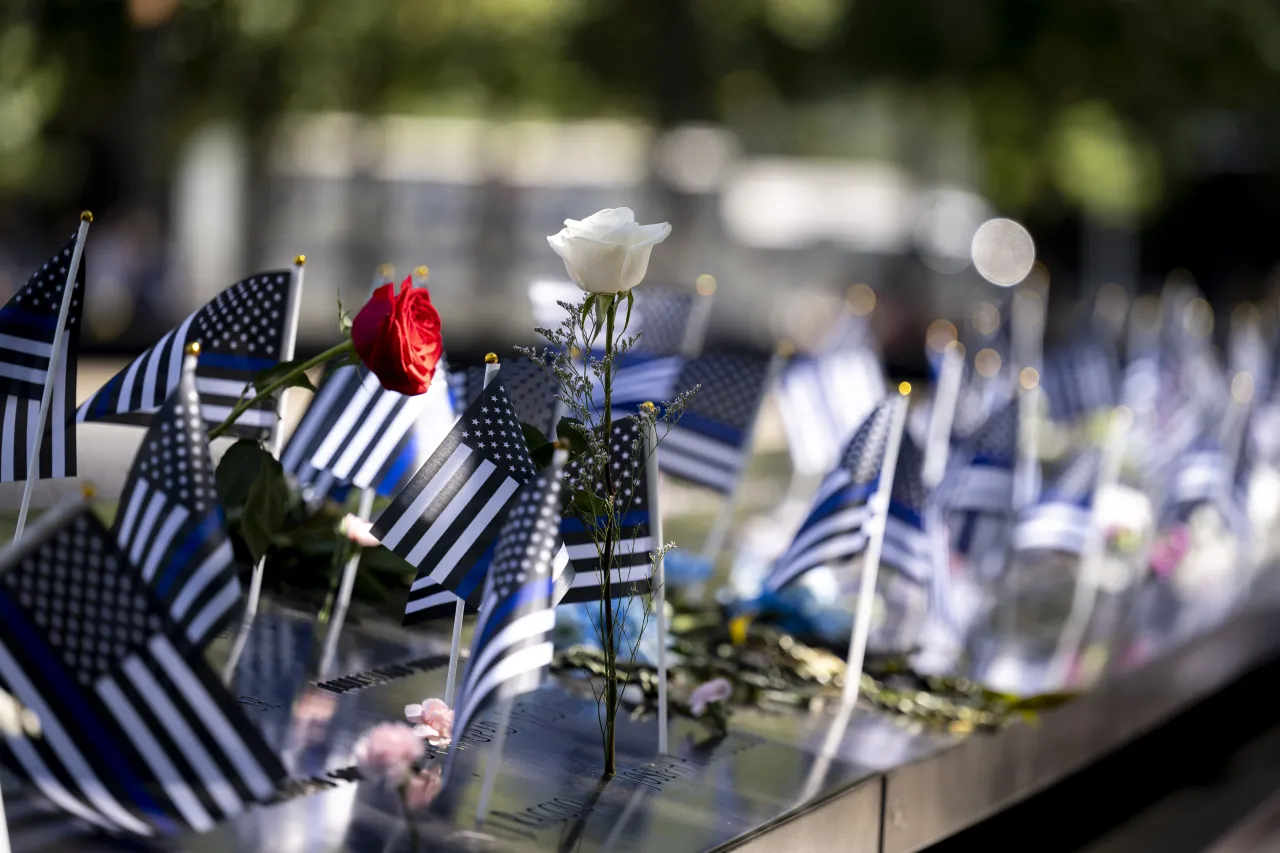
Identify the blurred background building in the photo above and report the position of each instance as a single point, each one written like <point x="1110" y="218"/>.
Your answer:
<point x="799" y="147"/>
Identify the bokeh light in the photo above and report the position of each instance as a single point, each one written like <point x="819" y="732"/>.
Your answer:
<point x="861" y="299"/>
<point x="985" y="318"/>
<point x="1003" y="252"/>
<point x="987" y="362"/>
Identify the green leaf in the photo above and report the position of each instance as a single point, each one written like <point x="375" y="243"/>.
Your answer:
<point x="280" y="371"/>
<point x="572" y="432"/>
<point x="237" y="472"/>
<point x="533" y="436"/>
<point x="631" y="300"/>
<point x="588" y="504"/>
<point x="543" y="455"/>
<point x="264" y="508"/>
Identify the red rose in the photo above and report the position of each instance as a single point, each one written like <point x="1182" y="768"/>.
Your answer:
<point x="398" y="337"/>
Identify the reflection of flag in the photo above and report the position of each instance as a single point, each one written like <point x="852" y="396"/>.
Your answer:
<point x="1062" y="519"/>
<point x="138" y="734"/>
<point x="822" y="399"/>
<point x="358" y="433"/>
<point x="170" y="523"/>
<point x="632" y="565"/>
<point x="241" y="333"/>
<point x="837" y="526"/>
<point x="1203" y="475"/>
<point x="1078" y="380"/>
<point x="27" y="326"/>
<point x="450" y="511"/>
<point x="512" y="646"/>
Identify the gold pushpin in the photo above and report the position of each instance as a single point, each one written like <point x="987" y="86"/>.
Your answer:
<point x="491" y="358"/>
<point x="88" y="491"/>
<point x="786" y="348"/>
<point x="648" y="408"/>
<point x="193" y="348"/>
<point x="300" y="261"/>
<point x="386" y="270"/>
<point x="86" y="216"/>
<point x="421" y="271"/>
<point x="904" y="388"/>
<point x="705" y="284"/>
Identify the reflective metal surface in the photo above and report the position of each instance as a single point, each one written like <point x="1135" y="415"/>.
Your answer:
<point x="934" y="797"/>
<point x="778" y="781"/>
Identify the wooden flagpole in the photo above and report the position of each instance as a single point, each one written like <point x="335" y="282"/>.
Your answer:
<point x="51" y="377"/>
<point x="491" y="368"/>
<point x="871" y="559"/>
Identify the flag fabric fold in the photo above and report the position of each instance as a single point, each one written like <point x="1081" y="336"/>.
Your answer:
<point x="170" y="523"/>
<point x="449" y="513"/>
<point x="357" y="433"/>
<point x="1062" y="519"/>
<point x="241" y="333"/>
<point x="28" y="323"/>
<point x="512" y="646"/>
<point x="138" y="735"/>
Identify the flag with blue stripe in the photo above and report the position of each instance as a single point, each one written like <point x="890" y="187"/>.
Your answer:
<point x="241" y="333"/>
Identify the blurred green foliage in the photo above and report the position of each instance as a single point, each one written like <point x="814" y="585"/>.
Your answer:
<point x="1099" y="103"/>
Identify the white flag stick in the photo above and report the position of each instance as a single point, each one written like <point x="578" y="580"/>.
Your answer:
<point x="1027" y="333"/>
<point x="659" y="578"/>
<point x="276" y="443"/>
<point x="1085" y="595"/>
<point x="695" y="330"/>
<point x="51" y="377"/>
<point x="942" y="415"/>
<point x="871" y="559"/>
<point x="723" y="523"/>
<point x="494" y="759"/>
<point x="491" y="368"/>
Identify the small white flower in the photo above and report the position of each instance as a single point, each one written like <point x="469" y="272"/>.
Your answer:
<point x="608" y="252"/>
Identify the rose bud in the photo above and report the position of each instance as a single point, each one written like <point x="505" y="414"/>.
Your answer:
<point x="398" y="337"/>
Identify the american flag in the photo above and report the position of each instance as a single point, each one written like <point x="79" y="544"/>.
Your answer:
<point x="451" y="510"/>
<point x="27" y="326"/>
<point x="838" y="524"/>
<point x="708" y="445"/>
<point x="241" y="333"/>
<point x="632" y="564"/>
<point x="1078" y="380"/>
<point x="358" y="433"/>
<point x="532" y="391"/>
<point x="139" y="737"/>
<point x="910" y="527"/>
<point x="822" y="399"/>
<point x="1062" y="519"/>
<point x="665" y="316"/>
<point x="170" y="524"/>
<point x="631" y="571"/>
<point x="979" y="487"/>
<point x="512" y="645"/>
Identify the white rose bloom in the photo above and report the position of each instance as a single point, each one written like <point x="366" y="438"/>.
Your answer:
<point x="608" y="252"/>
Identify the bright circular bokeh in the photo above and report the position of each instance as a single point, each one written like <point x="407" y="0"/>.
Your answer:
<point x="1003" y="252"/>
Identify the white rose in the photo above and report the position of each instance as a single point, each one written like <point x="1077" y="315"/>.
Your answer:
<point x="608" y="252"/>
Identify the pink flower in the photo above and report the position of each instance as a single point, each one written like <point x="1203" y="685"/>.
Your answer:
<point x="715" y="690"/>
<point x="359" y="531"/>
<point x="387" y="754"/>
<point x="434" y="721"/>
<point x="423" y="788"/>
<point x="1168" y="552"/>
